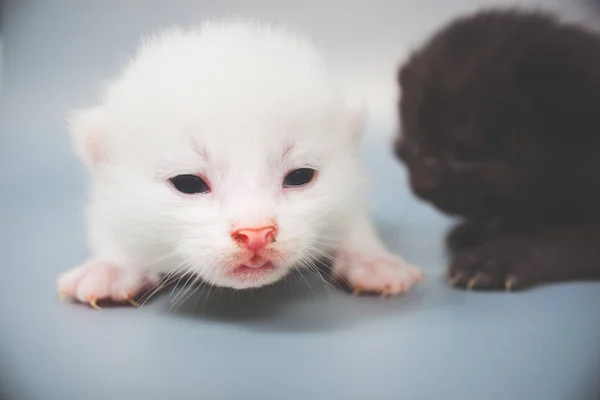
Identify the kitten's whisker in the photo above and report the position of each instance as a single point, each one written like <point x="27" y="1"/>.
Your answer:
<point x="330" y="242"/>
<point x="330" y="268"/>
<point x="197" y="284"/>
<point x="322" y="253"/>
<point x="160" y="284"/>
<point x="306" y="281"/>
<point x="197" y="275"/>
<point x="179" y="281"/>
<point x="312" y="268"/>
<point x="317" y="271"/>
<point x="184" y="289"/>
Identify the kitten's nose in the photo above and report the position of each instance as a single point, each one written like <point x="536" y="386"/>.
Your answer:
<point x="255" y="238"/>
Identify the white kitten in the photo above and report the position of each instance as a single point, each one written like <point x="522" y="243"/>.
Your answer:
<point x="229" y="153"/>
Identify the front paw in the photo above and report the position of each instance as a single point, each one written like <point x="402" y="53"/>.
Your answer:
<point x="470" y="233"/>
<point x="497" y="265"/>
<point x="384" y="274"/>
<point x="96" y="281"/>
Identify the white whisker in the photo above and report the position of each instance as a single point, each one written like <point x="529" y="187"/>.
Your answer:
<point x="163" y="282"/>
<point x="185" y="287"/>
<point x="306" y="281"/>
<point x="312" y="267"/>
<point x="184" y="297"/>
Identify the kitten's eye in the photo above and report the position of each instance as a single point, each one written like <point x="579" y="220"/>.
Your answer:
<point x="299" y="177"/>
<point x="190" y="184"/>
<point x="465" y="153"/>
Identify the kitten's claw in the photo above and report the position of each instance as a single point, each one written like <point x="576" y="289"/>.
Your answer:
<point x="93" y="302"/>
<point x="132" y="301"/>
<point x="492" y="266"/>
<point x="98" y="280"/>
<point x="455" y="279"/>
<point x="508" y="284"/>
<point x="472" y="283"/>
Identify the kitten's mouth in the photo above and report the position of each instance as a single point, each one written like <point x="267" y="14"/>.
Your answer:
<point x="246" y="272"/>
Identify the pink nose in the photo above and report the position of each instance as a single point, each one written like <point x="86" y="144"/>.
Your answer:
<point x="255" y="238"/>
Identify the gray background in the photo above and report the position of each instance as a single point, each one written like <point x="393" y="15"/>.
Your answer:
<point x="291" y="341"/>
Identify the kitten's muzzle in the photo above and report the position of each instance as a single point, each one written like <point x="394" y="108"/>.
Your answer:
<point x="255" y="239"/>
<point x="426" y="179"/>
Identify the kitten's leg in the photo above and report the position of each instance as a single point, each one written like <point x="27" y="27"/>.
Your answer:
<point x="100" y="280"/>
<point x="363" y="263"/>
<point x="470" y="233"/>
<point x="108" y="275"/>
<point x="522" y="260"/>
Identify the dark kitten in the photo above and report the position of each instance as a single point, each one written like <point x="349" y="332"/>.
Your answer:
<point x="500" y="117"/>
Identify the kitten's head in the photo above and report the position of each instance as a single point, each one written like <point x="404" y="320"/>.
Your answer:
<point x="498" y="112"/>
<point x="229" y="147"/>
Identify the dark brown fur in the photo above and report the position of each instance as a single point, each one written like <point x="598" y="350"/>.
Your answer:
<point x="500" y="115"/>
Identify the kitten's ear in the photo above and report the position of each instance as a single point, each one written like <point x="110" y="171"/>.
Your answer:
<point x="88" y="133"/>
<point x="355" y="117"/>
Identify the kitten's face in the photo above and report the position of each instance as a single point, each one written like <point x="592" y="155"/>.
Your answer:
<point x="202" y="188"/>
<point x="469" y="154"/>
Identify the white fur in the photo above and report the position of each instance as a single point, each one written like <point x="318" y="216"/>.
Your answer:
<point x="242" y="104"/>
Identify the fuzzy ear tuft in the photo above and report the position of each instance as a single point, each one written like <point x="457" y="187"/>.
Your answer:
<point x="356" y="116"/>
<point x="88" y="133"/>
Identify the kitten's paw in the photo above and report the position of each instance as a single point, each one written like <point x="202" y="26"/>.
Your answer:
<point x="493" y="266"/>
<point x="98" y="280"/>
<point x="385" y="274"/>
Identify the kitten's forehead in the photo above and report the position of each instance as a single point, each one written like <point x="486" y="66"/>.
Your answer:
<point x="261" y="144"/>
<point x="235" y="94"/>
<point x="225" y="69"/>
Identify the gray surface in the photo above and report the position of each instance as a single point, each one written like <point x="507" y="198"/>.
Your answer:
<point x="291" y="341"/>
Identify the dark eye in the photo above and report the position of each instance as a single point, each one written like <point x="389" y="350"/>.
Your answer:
<point x="298" y="177"/>
<point x="190" y="184"/>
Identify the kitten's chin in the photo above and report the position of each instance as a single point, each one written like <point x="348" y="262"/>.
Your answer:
<point x="247" y="277"/>
<point x="448" y="209"/>
<point x="449" y="201"/>
<point x="444" y="205"/>
<point x="466" y="209"/>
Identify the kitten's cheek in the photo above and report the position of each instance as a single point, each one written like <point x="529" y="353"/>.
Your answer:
<point x="400" y="152"/>
<point x="424" y="184"/>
